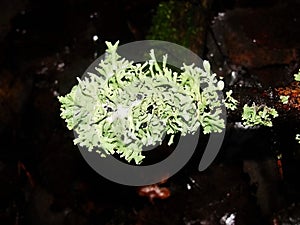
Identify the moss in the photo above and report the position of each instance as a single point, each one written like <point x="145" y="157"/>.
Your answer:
<point x="180" y="22"/>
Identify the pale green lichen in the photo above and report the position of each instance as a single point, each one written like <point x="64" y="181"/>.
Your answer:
<point x="298" y="138"/>
<point x="258" y="115"/>
<point x="297" y="76"/>
<point x="230" y="102"/>
<point x="121" y="106"/>
<point x="284" y="99"/>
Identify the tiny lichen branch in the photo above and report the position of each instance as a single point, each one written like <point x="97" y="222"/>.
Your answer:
<point x="297" y="76"/>
<point x="120" y="107"/>
<point x="230" y="102"/>
<point x="258" y="115"/>
<point x="298" y="138"/>
<point x="284" y="99"/>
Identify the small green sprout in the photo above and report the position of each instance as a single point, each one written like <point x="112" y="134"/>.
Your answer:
<point x="297" y="76"/>
<point x="298" y="138"/>
<point x="120" y="107"/>
<point x="230" y="102"/>
<point x="258" y="115"/>
<point x="284" y="99"/>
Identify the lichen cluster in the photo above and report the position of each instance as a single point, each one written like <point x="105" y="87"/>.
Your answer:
<point x="256" y="115"/>
<point x="121" y="106"/>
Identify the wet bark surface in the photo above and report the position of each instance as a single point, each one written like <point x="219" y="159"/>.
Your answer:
<point x="43" y="178"/>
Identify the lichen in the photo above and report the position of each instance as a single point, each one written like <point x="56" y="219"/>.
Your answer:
<point x="297" y="76"/>
<point x="298" y="138"/>
<point x="120" y="106"/>
<point x="257" y="115"/>
<point x="284" y="99"/>
<point x="230" y="102"/>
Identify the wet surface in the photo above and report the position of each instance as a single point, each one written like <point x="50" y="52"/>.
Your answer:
<point x="43" y="178"/>
<point x="262" y="41"/>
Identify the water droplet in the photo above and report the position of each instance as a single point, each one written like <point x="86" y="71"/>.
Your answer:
<point x="192" y="180"/>
<point x="55" y="93"/>
<point x="60" y="66"/>
<point x="95" y="38"/>
<point x="42" y="70"/>
<point x="93" y="15"/>
<point x="221" y="14"/>
<point x="221" y="85"/>
<point x="188" y="186"/>
<point x="228" y="219"/>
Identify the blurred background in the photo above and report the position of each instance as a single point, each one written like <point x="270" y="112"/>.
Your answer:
<point x="44" y="45"/>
